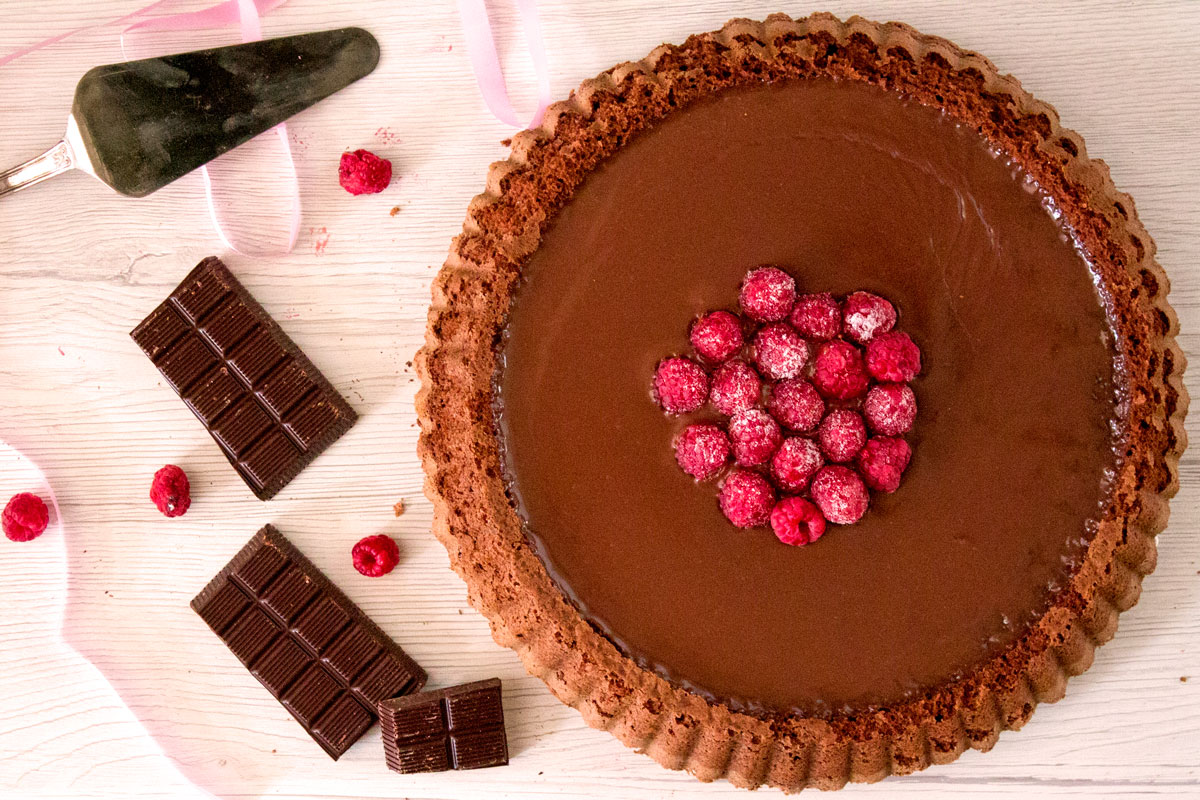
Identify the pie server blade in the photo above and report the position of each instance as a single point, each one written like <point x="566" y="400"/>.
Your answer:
<point x="139" y="125"/>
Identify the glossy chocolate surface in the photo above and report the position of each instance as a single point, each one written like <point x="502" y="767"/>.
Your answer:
<point x="847" y="187"/>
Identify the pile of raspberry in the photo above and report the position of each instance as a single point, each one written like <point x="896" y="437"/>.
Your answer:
<point x="811" y="400"/>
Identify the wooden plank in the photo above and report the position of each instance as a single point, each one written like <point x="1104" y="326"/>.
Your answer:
<point x="79" y="267"/>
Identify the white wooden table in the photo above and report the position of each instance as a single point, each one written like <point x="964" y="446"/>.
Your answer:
<point x="80" y="266"/>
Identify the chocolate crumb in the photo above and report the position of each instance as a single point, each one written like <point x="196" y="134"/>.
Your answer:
<point x="1183" y="678"/>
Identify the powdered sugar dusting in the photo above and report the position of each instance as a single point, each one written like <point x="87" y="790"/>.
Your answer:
<point x="702" y="451"/>
<point x="779" y="351"/>
<point x="735" y="387"/>
<point x="794" y="464"/>
<point x="866" y="315"/>
<point x="746" y="498"/>
<point x="767" y="294"/>
<point x="890" y="408"/>
<point x="840" y="494"/>
<point x="842" y="434"/>
<point x="755" y="436"/>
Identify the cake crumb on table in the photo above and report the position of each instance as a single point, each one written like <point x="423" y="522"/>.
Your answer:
<point x="398" y="508"/>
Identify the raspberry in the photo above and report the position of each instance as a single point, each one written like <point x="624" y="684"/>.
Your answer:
<point x="797" y="521"/>
<point x="375" y="555"/>
<point x="767" y="294"/>
<point x="840" y="494"/>
<point x="779" y="351"/>
<point x="866" y="316"/>
<point x="680" y="385"/>
<point x="893" y="357"/>
<point x="817" y="316"/>
<point x="717" y="336"/>
<point x="890" y="408"/>
<point x="170" y="491"/>
<point x="746" y="498"/>
<point x="842" y="434"/>
<point x="25" y="517"/>
<point x="735" y="387"/>
<point x="755" y="435"/>
<point x="702" y="450"/>
<point x="883" y="461"/>
<point x="796" y="404"/>
<point x="363" y="172"/>
<point x="794" y="464"/>
<point x="839" y="372"/>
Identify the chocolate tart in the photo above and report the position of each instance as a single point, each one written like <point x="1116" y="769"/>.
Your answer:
<point x="855" y="155"/>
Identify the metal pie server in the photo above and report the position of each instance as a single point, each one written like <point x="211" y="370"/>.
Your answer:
<point x="139" y="125"/>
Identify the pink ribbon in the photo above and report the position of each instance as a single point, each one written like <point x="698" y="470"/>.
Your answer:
<point x="247" y="14"/>
<point x="481" y="47"/>
<point x="225" y="13"/>
<point x="141" y="12"/>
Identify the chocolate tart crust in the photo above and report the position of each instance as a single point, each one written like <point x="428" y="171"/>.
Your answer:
<point x="476" y="521"/>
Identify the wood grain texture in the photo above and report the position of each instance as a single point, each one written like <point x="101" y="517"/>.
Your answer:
<point x="79" y="267"/>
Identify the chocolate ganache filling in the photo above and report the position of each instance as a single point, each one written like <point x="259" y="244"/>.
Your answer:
<point x="847" y="187"/>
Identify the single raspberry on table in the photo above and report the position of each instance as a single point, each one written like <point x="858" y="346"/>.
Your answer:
<point x="375" y="555"/>
<point x="735" y="387"/>
<point x="840" y="494"/>
<point x="883" y="461"/>
<point x="796" y="404"/>
<point x="755" y="436"/>
<point x="25" y="517"/>
<point x="767" y="294"/>
<point x="839" y="371"/>
<point x="794" y="464"/>
<point x="779" y="351"/>
<point x="680" y="385"/>
<point x="170" y="491"/>
<point x="817" y="316"/>
<point x="893" y="357"/>
<point x="867" y="315"/>
<point x="363" y="172"/>
<point x="746" y="498"/>
<point x="796" y="521"/>
<point x="702" y="450"/>
<point x="717" y="336"/>
<point x="842" y="434"/>
<point x="890" y="408"/>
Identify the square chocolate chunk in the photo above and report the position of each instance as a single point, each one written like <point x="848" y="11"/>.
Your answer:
<point x="457" y="728"/>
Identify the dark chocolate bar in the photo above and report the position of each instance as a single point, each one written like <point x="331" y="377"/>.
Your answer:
<point x="268" y="408"/>
<point x="457" y="728"/>
<point x="315" y="651"/>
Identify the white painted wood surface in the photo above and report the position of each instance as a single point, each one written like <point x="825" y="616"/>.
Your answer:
<point x="80" y="266"/>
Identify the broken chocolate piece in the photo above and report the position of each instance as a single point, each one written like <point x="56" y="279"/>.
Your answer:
<point x="461" y="727"/>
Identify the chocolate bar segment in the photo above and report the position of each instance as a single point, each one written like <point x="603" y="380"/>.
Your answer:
<point x="315" y="651"/>
<point x="457" y="728"/>
<point x="264" y="403"/>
